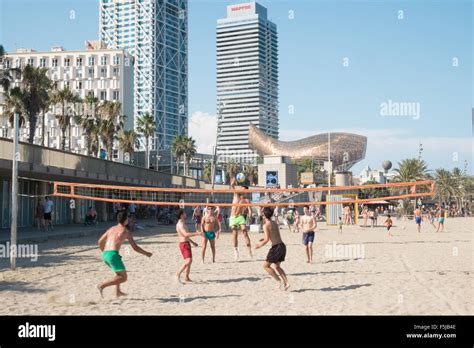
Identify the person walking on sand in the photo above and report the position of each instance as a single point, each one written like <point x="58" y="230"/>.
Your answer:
<point x="297" y="221"/>
<point x="237" y="220"/>
<point x="440" y="220"/>
<point x="39" y="215"/>
<point x="307" y="225"/>
<point x="197" y="216"/>
<point x="110" y="244"/>
<point x="276" y="254"/>
<point x="418" y="219"/>
<point x="185" y="245"/>
<point x="211" y="227"/>
<point x="365" y="216"/>
<point x="48" y="213"/>
<point x="340" y="223"/>
<point x="388" y="223"/>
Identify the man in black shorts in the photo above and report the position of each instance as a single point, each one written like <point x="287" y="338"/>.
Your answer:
<point x="307" y="225"/>
<point x="277" y="252"/>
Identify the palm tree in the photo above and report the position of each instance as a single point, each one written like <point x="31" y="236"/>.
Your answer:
<point x="232" y="167"/>
<point x="13" y="103"/>
<point x="36" y="84"/>
<point x="207" y="171"/>
<point x="66" y="99"/>
<point x="189" y="151"/>
<point x="111" y="122"/>
<point x="45" y="104"/>
<point x="177" y="149"/>
<point x="146" y="125"/>
<point x="409" y="170"/>
<point x="128" y="141"/>
<point x="89" y="123"/>
<point x="304" y="165"/>
<point x="445" y="185"/>
<point x="251" y="173"/>
<point x="5" y="76"/>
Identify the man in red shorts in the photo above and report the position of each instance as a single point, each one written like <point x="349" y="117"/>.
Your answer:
<point x="185" y="245"/>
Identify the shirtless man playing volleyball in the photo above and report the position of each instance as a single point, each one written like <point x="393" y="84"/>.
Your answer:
<point x="211" y="227"/>
<point x="237" y="219"/>
<point x="110" y="244"/>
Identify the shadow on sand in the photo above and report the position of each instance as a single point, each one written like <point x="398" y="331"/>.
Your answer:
<point x="190" y="299"/>
<point x="18" y="286"/>
<point x="336" y="288"/>
<point x="235" y="280"/>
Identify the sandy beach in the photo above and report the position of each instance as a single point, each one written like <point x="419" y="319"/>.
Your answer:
<point x="361" y="271"/>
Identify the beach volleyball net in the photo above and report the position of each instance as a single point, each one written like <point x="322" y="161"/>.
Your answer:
<point x="257" y="196"/>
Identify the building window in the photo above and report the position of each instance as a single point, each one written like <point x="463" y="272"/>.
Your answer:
<point x="116" y="60"/>
<point x="115" y="95"/>
<point x="79" y="61"/>
<point x="91" y="61"/>
<point x="79" y="85"/>
<point x="17" y="63"/>
<point x="79" y="73"/>
<point x="115" y="154"/>
<point x="30" y="61"/>
<point x="90" y="93"/>
<point x="103" y="95"/>
<point x="103" y="72"/>
<point x="54" y="62"/>
<point x="103" y="60"/>
<point x="90" y="72"/>
<point x="42" y="62"/>
<point x="115" y="72"/>
<point x="66" y="84"/>
<point x="67" y="62"/>
<point x="6" y="64"/>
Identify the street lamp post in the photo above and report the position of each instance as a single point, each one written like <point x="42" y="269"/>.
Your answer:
<point x="214" y="155"/>
<point x="14" y="221"/>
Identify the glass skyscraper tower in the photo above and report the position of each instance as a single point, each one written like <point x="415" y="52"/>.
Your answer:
<point x="155" y="33"/>
<point x="247" y="79"/>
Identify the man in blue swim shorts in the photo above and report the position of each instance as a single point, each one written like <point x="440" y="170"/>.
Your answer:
<point x="211" y="226"/>
<point x="418" y="219"/>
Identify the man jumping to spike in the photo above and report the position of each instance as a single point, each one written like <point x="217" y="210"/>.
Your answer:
<point x="237" y="220"/>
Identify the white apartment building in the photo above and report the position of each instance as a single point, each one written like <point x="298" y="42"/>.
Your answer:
<point x="247" y="79"/>
<point x="105" y="73"/>
<point x="368" y="174"/>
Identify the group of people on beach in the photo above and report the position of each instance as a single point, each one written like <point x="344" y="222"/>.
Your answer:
<point x="44" y="214"/>
<point x="208" y="220"/>
<point x="435" y="216"/>
<point x="209" y="227"/>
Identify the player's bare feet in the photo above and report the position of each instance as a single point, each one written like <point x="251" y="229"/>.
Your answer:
<point x="101" y="290"/>
<point x="120" y="294"/>
<point x="287" y="286"/>
<point x="188" y="280"/>
<point x="178" y="278"/>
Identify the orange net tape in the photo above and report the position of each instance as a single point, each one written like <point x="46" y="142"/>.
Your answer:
<point x="184" y="196"/>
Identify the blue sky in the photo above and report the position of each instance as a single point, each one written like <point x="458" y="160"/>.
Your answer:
<point x="403" y="60"/>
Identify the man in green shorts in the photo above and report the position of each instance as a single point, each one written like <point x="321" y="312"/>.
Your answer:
<point x="110" y="244"/>
<point x="237" y="219"/>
